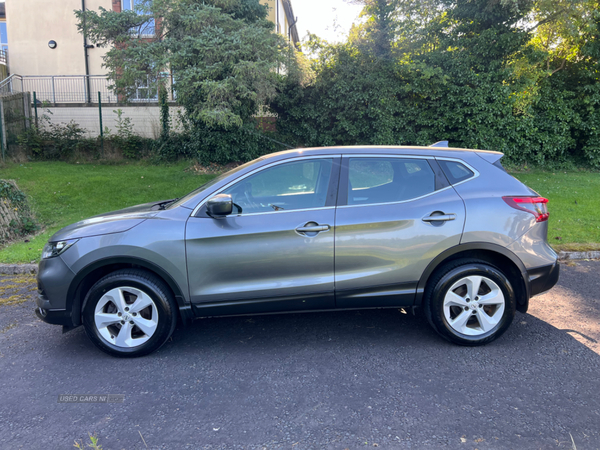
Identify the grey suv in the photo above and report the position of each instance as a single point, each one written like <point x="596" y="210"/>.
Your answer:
<point x="318" y="229"/>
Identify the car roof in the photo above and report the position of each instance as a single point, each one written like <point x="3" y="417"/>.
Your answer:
<point x="360" y="149"/>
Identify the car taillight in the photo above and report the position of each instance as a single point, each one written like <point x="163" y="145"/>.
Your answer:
<point x="534" y="205"/>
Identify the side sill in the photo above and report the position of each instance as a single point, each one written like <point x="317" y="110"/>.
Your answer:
<point x="297" y="303"/>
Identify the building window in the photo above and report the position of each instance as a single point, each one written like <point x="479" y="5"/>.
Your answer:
<point x="3" y="37"/>
<point x="148" y="28"/>
<point x="146" y="91"/>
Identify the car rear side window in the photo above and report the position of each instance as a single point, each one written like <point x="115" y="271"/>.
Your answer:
<point x="386" y="180"/>
<point x="455" y="171"/>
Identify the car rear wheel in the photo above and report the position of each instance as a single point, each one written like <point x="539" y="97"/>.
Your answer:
<point x="470" y="302"/>
<point x="129" y="313"/>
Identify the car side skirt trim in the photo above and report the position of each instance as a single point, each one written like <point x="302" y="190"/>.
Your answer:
<point x="295" y="303"/>
<point x="302" y="311"/>
<point x="394" y="295"/>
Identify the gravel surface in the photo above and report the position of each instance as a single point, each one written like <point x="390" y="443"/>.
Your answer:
<point x="365" y="379"/>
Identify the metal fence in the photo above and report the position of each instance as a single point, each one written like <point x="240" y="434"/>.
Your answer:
<point x="69" y="89"/>
<point x="57" y="89"/>
<point x="11" y="85"/>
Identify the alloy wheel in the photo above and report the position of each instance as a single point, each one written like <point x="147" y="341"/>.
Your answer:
<point x="126" y="317"/>
<point x="474" y="305"/>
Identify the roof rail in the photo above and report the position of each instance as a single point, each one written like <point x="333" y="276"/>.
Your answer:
<point x="440" y="144"/>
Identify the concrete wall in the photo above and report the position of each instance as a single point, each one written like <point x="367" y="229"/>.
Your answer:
<point x="145" y="119"/>
<point x="31" y="24"/>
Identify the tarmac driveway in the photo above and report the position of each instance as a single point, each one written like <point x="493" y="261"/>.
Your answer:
<point x="365" y="379"/>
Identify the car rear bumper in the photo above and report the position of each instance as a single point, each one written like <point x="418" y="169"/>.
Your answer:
<point x="543" y="278"/>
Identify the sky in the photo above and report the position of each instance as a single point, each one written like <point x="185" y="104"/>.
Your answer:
<point x="328" y="19"/>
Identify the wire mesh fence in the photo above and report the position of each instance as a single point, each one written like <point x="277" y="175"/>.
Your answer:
<point x="15" y="118"/>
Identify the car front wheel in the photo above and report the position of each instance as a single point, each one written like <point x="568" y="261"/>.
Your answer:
<point x="129" y="313"/>
<point x="470" y="302"/>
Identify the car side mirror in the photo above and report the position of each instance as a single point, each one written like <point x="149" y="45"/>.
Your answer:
<point x="219" y="206"/>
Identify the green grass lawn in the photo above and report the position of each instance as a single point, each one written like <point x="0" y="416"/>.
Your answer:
<point x="574" y="207"/>
<point x="61" y="193"/>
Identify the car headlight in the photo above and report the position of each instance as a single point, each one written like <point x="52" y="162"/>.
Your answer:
<point x="52" y="249"/>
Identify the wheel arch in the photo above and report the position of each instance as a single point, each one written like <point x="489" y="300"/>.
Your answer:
<point x="494" y="254"/>
<point x="90" y="274"/>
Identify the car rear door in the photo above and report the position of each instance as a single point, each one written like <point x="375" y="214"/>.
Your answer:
<point x="275" y="253"/>
<point x="395" y="214"/>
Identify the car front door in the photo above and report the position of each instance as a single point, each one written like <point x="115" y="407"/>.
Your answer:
<point x="395" y="214"/>
<point x="275" y="252"/>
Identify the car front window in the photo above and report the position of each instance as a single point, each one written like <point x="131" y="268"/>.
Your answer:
<point x="289" y="186"/>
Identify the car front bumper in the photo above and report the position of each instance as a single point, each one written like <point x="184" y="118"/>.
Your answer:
<point x="54" y="316"/>
<point x="53" y="280"/>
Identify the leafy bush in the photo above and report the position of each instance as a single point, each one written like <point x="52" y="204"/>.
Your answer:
<point x="54" y="141"/>
<point x="217" y="145"/>
<point x="58" y="141"/>
<point x="130" y="144"/>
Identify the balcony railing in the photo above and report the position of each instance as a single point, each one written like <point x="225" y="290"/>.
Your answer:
<point x="57" y="89"/>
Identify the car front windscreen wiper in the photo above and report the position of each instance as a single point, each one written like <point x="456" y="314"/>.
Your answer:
<point x="164" y="204"/>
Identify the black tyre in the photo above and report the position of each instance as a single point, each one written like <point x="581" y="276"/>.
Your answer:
<point x="129" y="313"/>
<point x="469" y="302"/>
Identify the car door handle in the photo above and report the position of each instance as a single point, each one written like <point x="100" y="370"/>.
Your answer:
<point x="440" y="218"/>
<point x="312" y="229"/>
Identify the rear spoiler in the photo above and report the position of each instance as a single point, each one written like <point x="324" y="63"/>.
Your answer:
<point x="491" y="157"/>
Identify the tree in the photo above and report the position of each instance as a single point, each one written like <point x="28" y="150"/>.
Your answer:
<point x="222" y="54"/>
<point x="419" y="71"/>
<point x="378" y="33"/>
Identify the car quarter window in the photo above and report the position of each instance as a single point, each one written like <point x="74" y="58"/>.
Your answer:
<point x="385" y="180"/>
<point x="288" y="186"/>
<point x="455" y="171"/>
